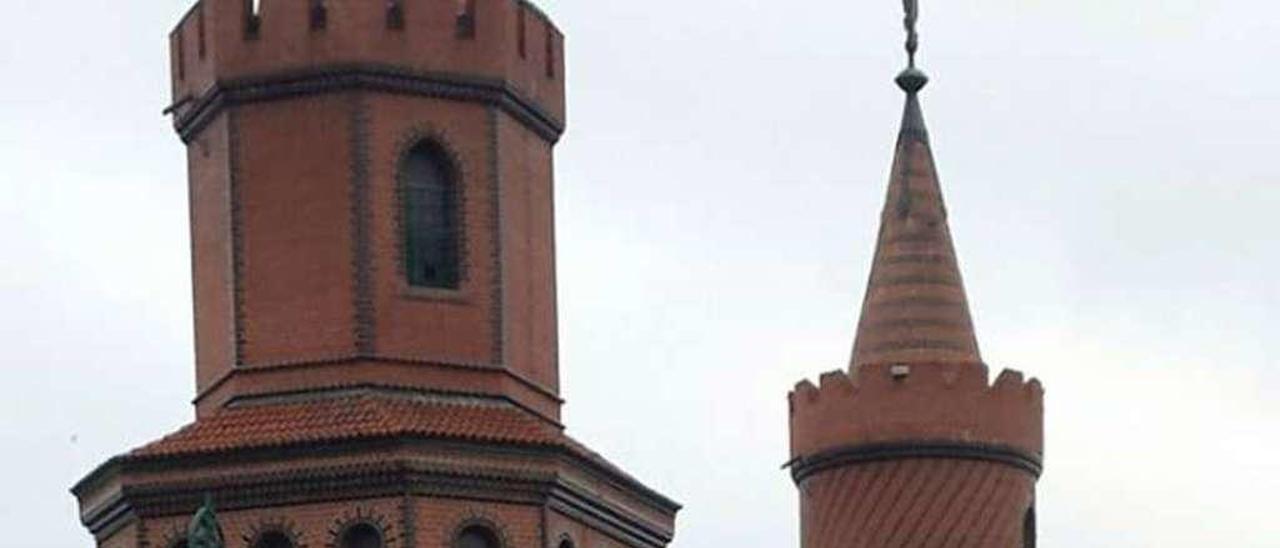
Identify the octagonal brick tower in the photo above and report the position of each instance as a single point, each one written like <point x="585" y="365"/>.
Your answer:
<point x="914" y="446"/>
<point x="371" y="196"/>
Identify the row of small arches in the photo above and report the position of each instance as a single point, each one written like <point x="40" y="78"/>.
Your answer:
<point x="366" y="535"/>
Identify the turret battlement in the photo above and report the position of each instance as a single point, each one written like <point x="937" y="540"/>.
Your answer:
<point x="507" y="47"/>
<point x="917" y="404"/>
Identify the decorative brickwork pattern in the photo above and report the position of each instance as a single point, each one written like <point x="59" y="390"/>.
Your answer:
<point x="915" y="308"/>
<point x="362" y="264"/>
<point x="917" y="503"/>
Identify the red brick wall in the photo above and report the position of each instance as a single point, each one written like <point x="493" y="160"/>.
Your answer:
<point x="912" y="500"/>
<point x="529" y="253"/>
<point x="125" y="537"/>
<point x="356" y="33"/>
<point x="560" y="527"/>
<point x="448" y="326"/>
<point x="918" y="503"/>
<point x="210" y="195"/>
<point x="294" y="162"/>
<point x="934" y="402"/>
<point x="295" y="187"/>
<point x="315" y="524"/>
<point x="438" y="520"/>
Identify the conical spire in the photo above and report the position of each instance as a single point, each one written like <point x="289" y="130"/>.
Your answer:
<point x="915" y="310"/>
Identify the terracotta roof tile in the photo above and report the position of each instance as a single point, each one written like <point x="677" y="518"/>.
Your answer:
<point x="368" y="416"/>
<point x="353" y="417"/>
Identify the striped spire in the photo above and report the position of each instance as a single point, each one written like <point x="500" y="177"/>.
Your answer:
<point x="915" y="310"/>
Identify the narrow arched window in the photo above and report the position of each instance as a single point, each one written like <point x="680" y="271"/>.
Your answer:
<point x="395" y="14"/>
<point x="430" y="218"/>
<point x="273" y="539"/>
<point x="477" y="536"/>
<point x="361" y="535"/>
<point x="466" y="21"/>
<point x="1029" y="529"/>
<point x="252" y="19"/>
<point x="566" y="544"/>
<point x="319" y="15"/>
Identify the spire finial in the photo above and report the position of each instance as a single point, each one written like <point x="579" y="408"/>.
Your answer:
<point x="912" y="7"/>
<point x="912" y="80"/>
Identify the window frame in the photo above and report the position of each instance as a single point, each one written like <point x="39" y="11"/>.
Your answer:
<point x="455" y="185"/>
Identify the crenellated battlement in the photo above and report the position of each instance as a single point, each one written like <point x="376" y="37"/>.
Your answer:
<point x="918" y="403"/>
<point x="504" y="46"/>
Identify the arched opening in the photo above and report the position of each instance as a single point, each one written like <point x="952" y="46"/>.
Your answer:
<point x="430" y="218"/>
<point x="566" y="543"/>
<point x="477" y="536"/>
<point x="395" y="14"/>
<point x="466" y="22"/>
<point x="252" y="18"/>
<point x="319" y="15"/>
<point x="273" y="539"/>
<point x="361" y="535"/>
<point x="1029" y="529"/>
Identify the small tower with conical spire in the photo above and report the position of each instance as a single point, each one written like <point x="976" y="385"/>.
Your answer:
<point x="914" y="446"/>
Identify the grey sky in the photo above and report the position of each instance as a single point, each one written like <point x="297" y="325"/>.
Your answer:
<point x="1111" y="169"/>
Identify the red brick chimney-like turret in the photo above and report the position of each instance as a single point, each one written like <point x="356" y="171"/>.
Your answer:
<point x="914" y="446"/>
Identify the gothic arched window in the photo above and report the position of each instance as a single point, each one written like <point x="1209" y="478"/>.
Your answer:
<point x="361" y="535"/>
<point x="430" y="218"/>
<point x="477" y="536"/>
<point x="273" y="539"/>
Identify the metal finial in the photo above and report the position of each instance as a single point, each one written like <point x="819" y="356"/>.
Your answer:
<point x="912" y="7"/>
<point x="912" y="80"/>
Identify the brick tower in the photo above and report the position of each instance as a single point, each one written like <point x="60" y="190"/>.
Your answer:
<point x="913" y="447"/>
<point x="374" y="280"/>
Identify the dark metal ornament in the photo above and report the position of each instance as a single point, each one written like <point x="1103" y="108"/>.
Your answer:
<point x="912" y="80"/>
<point x="912" y="8"/>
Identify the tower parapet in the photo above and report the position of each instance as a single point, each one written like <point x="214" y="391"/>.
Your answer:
<point x="501" y="51"/>
<point x="888" y="411"/>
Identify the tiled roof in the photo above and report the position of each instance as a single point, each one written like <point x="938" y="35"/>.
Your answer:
<point x="915" y="310"/>
<point x="354" y="417"/>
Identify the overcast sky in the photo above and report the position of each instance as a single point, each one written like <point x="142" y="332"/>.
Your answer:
<point x="1112" y="172"/>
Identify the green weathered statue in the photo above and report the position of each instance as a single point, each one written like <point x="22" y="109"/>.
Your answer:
<point x="204" y="531"/>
